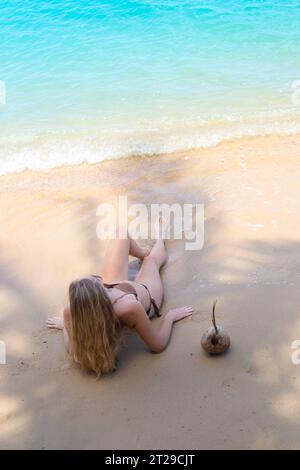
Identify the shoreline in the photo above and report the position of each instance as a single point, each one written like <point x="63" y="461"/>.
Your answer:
<point x="190" y="152"/>
<point x="246" y="399"/>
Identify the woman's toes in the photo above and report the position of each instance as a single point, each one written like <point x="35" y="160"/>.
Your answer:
<point x="147" y="251"/>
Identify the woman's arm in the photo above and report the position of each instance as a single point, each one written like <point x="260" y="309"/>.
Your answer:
<point x="67" y="328"/>
<point x="62" y="324"/>
<point x="156" y="338"/>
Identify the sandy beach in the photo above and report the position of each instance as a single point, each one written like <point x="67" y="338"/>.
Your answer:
<point x="182" y="398"/>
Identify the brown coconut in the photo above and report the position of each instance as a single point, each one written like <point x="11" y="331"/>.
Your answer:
<point x="215" y="340"/>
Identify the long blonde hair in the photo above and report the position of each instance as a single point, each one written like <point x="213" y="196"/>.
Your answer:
<point x="95" y="329"/>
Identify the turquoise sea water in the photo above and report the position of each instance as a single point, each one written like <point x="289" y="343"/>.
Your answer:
<point x="88" y="80"/>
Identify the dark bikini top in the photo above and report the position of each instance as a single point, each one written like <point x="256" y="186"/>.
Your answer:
<point x="128" y="289"/>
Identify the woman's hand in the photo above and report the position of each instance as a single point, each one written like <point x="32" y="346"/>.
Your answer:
<point x="179" y="313"/>
<point x="55" y="322"/>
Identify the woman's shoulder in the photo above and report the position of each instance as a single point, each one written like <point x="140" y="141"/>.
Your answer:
<point x="128" y="309"/>
<point x="67" y="313"/>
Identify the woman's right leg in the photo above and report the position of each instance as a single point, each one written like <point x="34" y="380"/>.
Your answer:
<point x="115" y="263"/>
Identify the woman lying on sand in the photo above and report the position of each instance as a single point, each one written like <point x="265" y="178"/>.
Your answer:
<point x="101" y="306"/>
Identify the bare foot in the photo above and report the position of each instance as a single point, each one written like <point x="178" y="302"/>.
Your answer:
<point x="141" y="252"/>
<point x="161" y="228"/>
<point x="55" y="322"/>
<point x="145" y="252"/>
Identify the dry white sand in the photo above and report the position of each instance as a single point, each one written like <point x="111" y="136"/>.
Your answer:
<point x="249" y="398"/>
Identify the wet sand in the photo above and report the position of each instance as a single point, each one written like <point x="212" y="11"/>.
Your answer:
<point x="246" y="399"/>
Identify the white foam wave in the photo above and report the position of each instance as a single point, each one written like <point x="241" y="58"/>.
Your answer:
<point x="46" y="152"/>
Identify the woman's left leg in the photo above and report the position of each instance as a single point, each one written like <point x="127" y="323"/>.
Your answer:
<point x="149" y="273"/>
